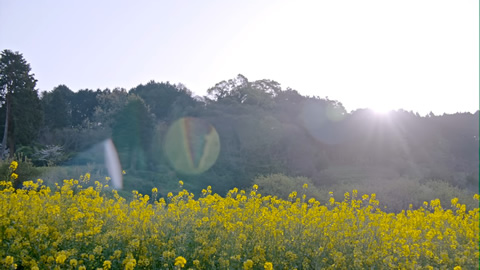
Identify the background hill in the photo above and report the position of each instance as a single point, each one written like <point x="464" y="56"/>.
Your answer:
<point x="267" y="134"/>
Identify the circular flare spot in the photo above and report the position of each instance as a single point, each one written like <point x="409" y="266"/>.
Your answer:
<point x="322" y="121"/>
<point x="192" y="145"/>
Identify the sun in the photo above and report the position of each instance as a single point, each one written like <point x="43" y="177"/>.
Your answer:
<point x="382" y="108"/>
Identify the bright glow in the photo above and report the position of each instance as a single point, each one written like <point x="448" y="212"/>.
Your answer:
<point x="382" y="108"/>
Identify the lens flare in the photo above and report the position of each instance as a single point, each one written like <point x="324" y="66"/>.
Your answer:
<point x="112" y="162"/>
<point x="192" y="145"/>
<point x="322" y="122"/>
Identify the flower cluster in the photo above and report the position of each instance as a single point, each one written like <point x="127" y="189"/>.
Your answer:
<point x="13" y="167"/>
<point x="75" y="227"/>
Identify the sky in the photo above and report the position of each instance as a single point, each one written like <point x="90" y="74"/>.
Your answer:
<point x="418" y="55"/>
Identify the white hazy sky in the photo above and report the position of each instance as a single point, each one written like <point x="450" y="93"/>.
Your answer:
<point x="420" y="55"/>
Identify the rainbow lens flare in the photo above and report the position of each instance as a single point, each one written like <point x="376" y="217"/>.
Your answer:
<point x="192" y="145"/>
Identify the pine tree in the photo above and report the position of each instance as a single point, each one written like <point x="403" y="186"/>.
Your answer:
<point x="19" y="101"/>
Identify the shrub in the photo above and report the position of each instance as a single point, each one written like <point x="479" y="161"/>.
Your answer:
<point x="25" y="170"/>
<point x="281" y="186"/>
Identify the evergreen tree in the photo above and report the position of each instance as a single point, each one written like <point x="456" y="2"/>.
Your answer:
<point x="132" y="132"/>
<point x="166" y="101"/>
<point x="20" y="103"/>
<point x="57" y="107"/>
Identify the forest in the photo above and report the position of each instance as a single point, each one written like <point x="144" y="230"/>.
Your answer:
<point x="267" y="135"/>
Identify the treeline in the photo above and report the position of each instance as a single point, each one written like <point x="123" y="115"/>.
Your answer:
<point x="264" y="129"/>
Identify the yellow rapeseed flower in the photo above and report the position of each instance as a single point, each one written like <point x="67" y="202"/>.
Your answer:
<point x="180" y="261"/>
<point x="14" y="165"/>
<point x="9" y="260"/>
<point x="331" y="201"/>
<point x="73" y="262"/>
<point x="454" y="201"/>
<point x="14" y="176"/>
<point x="180" y="182"/>
<point x="61" y="258"/>
<point x="98" y="250"/>
<point x="107" y="265"/>
<point x="130" y="265"/>
<point x="297" y="234"/>
<point x="248" y="264"/>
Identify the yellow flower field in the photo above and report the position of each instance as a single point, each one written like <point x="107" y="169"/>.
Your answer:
<point x="75" y="227"/>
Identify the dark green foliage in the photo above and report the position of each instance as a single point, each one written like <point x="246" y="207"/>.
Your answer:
<point x="57" y="107"/>
<point x="166" y="101"/>
<point x="109" y="103"/>
<point x="21" y="107"/>
<point x="27" y="116"/>
<point x="26" y="171"/>
<point x="240" y="91"/>
<point x="65" y="108"/>
<point x="83" y="105"/>
<point x="132" y="132"/>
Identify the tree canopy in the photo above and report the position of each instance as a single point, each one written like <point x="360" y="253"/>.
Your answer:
<point x="20" y="102"/>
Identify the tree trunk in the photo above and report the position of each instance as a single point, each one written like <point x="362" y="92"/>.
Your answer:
<point x="11" y="144"/>
<point x="5" y="132"/>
